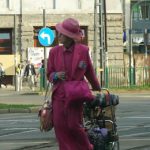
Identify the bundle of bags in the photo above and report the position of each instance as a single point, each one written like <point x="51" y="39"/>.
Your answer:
<point x="104" y="100"/>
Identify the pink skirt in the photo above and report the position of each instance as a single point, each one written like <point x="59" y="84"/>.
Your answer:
<point x="68" y="126"/>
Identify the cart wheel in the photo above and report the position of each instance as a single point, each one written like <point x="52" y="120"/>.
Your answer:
<point x="114" y="145"/>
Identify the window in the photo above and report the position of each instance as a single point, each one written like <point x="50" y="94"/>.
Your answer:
<point x="140" y="10"/>
<point x="85" y="36"/>
<point x="136" y="12"/>
<point x="144" y="13"/>
<point x="5" y="41"/>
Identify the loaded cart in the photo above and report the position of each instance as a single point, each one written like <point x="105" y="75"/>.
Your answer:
<point x="100" y="121"/>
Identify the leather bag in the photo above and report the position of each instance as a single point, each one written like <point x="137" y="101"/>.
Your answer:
<point x="45" y="114"/>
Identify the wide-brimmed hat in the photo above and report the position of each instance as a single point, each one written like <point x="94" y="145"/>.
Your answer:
<point x="70" y="27"/>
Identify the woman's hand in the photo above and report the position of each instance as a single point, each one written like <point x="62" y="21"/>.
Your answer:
<point x="60" y="75"/>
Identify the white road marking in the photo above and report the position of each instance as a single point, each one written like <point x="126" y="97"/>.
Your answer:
<point x="19" y="133"/>
<point x="143" y="139"/>
<point x="137" y="117"/>
<point x="8" y="118"/>
<point x="7" y="129"/>
<point x="39" y="142"/>
<point x="126" y="128"/>
<point x="19" y="120"/>
<point x="128" y="96"/>
<point x="135" y="134"/>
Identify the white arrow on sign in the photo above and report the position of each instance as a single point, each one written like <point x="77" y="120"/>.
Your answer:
<point x="43" y="36"/>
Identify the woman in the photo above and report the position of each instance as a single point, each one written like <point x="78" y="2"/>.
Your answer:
<point x="2" y="75"/>
<point x="19" y="73"/>
<point x="69" y="62"/>
<point x="30" y="73"/>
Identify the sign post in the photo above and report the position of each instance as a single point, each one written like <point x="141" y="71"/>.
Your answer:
<point x="46" y="38"/>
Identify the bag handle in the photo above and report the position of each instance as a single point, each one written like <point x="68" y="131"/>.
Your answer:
<point x="47" y="93"/>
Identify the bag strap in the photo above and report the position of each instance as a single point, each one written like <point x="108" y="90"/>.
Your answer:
<point x="47" y="93"/>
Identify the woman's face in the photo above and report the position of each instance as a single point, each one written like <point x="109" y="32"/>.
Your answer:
<point x="63" y="39"/>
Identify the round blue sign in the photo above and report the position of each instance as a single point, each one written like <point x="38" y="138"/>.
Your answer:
<point x="46" y="36"/>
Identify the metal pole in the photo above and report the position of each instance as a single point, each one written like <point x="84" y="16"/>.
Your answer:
<point x="54" y="4"/>
<point x="101" y="39"/>
<point x="95" y="36"/>
<point x="145" y="42"/>
<point x="130" y="50"/>
<point x="105" y="42"/>
<point x="21" y="50"/>
<point x="15" y="52"/>
<point x="45" y="59"/>
<point x="105" y="22"/>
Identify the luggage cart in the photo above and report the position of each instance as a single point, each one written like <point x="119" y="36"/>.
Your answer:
<point x="100" y="121"/>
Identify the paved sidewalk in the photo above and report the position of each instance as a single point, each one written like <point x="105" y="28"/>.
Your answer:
<point x="26" y="92"/>
<point x="26" y="96"/>
<point x="10" y="91"/>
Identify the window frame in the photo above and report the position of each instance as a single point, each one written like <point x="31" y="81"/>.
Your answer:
<point x="6" y="49"/>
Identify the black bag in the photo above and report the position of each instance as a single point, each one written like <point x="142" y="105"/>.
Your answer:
<point x="98" y="137"/>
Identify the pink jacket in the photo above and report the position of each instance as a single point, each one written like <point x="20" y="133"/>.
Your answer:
<point x="81" y="53"/>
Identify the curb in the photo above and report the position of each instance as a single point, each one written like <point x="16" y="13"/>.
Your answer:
<point x="20" y="110"/>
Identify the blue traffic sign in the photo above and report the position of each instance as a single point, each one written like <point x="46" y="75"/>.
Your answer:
<point x="46" y="36"/>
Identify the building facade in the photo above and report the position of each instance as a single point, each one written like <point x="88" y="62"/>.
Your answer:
<point x="21" y="21"/>
<point x="137" y="25"/>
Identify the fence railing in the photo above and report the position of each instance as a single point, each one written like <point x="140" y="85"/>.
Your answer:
<point x="118" y="77"/>
<point x="121" y="77"/>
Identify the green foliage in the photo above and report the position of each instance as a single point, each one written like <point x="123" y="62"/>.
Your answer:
<point x="130" y="89"/>
<point x="133" y="88"/>
<point x="10" y="106"/>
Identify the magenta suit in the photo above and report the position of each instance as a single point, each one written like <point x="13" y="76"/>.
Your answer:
<point x="68" y="121"/>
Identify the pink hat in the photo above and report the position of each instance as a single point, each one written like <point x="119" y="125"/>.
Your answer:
<point x="70" y="27"/>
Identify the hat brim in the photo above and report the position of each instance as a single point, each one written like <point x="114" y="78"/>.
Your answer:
<point x="60" y="29"/>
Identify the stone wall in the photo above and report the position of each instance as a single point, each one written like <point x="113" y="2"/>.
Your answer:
<point x="140" y="60"/>
<point x="115" y="39"/>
